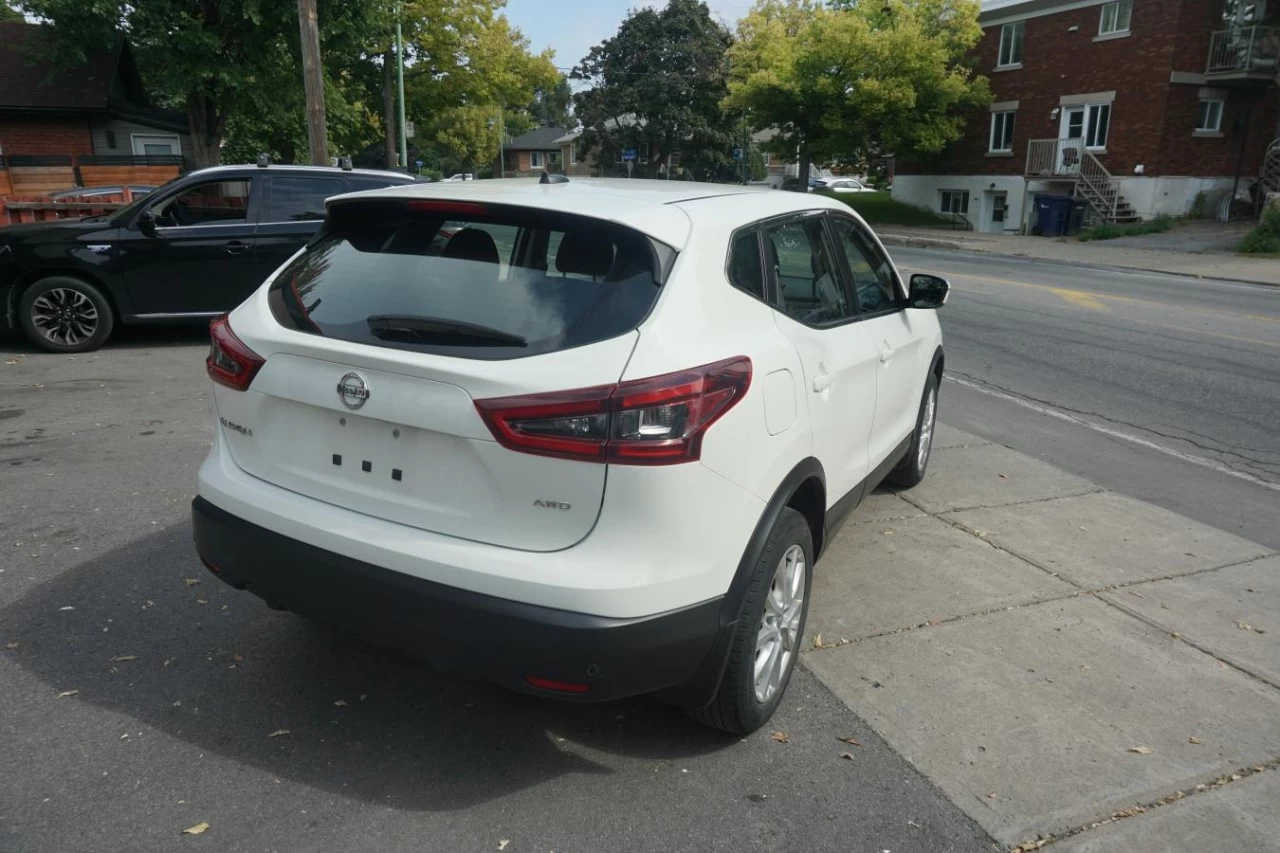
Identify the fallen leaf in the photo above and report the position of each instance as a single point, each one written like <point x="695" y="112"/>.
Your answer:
<point x="191" y="581"/>
<point x="66" y="693"/>
<point x="849" y="740"/>
<point x="502" y="845"/>
<point x="279" y="733"/>
<point x="781" y="737"/>
<point x="68" y="607"/>
<point x="817" y="642"/>
<point x="237" y="657"/>
<point x="201" y="601"/>
<point x="341" y="703"/>
<point x="11" y="645"/>
<point x="198" y="829"/>
<point x="991" y="795"/>
<point x="1245" y="626"/>
<point x="1004" y="476"/>
<point x="1141" y="750"/>
<point x="847" y="755"/>
<point x="1193" y="740"/>
<point x="123" y="658"/>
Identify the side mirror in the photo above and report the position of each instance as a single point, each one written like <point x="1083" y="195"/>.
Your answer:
<point x="147" y="223"/>
<point x="929" y="291"/>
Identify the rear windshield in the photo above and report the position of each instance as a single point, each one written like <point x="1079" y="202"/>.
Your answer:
<point x="467" y="280"/>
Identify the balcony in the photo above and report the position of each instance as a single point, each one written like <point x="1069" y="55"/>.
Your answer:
<point x="1246" y="54"/>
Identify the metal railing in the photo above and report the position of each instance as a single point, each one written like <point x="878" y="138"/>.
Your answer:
<point x="1271" y="167"/>
<point x="959" y="221"/>
<point x="1246" y="49"/>
<point x="1070" y="160"/>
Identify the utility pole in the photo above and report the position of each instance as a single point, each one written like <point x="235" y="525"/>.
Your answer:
<point x="404" y="141"/>
<point x="313" y="81"/>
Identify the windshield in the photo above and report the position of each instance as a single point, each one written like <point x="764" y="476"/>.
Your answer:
<point x="467" y="280"/>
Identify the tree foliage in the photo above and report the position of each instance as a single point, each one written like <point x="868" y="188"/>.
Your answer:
<point x="8" y="14"/>
<point x="659" y="82"/>
<point x="853" y="79"/>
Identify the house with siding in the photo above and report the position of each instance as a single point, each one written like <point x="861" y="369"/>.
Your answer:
<point x="1136" y="106"/>
<point x="99" y="109"/>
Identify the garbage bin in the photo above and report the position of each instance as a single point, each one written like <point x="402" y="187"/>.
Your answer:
<point x="1075" y="220"/>
<point x="1052" y="213"/>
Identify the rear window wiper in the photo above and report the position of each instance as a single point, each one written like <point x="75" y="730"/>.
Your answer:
<point x="439" y="330"/>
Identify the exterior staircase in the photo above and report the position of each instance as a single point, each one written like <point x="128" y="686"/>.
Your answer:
<point x="1069" y="160"/>
<point x="1271" y="167"/>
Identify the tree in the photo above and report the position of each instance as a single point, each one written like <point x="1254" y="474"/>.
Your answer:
<point x="208" y="57"/>
<point x="550" y="107"/>
<point x="659" y="81"/>
<point x="853" y="79"/>
<point x="8" y="14"/>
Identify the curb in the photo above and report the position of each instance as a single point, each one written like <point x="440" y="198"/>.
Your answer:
<point x="932" y="243"/>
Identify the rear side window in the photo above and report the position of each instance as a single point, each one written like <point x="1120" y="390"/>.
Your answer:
<point x="294" y="198"/>
<point x="809" y="287"/>
<point x="484" y="285"/>
<point x="745" y="272"/>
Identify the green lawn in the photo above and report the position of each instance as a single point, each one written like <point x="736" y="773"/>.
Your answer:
<point x="879" y="209"/>
<point x="1110" y="231"/>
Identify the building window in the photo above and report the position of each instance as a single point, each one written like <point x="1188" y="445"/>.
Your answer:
<point x="1011" y="38"/>
<point x="1002" y="131"/>
<point x="1115" y="17"/>
<point x="764" y="155"/>
<point x="1209" y="116"/>
<point x="573" y="154"/>
<point x="156" y="144"/>
<point x="535" y="159"/>
<point x="954" y="201"/>
<point x="1096" y="130"/>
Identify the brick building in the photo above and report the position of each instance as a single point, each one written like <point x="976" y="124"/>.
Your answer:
<point x="1137" y="106"/>
<point x="99" y="108"/>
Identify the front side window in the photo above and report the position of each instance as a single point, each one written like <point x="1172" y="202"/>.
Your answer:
<point x="1209" y="115"/>
<point x="1011" y="38"/>
<point x="501" y="283"/>
<point x="212" y="203"/>
<point x="809" y="287"/>
<point x="873" y="281"/>
<point x="1002" y="131"/>
<point x="535" y="159"/>
<point x="299" y="199"/>
<point x="1115" y="17"/>
<point x="954" y="201"/>
<point x="1099" y="120"/>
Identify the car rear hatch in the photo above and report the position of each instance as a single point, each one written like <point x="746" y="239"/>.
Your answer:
<point x="397" y="318"/>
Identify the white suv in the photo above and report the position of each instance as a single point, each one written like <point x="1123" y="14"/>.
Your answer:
<point x="586" y="438"/>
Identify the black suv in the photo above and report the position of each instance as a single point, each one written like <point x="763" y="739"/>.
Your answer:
<point x="190" y="250"/>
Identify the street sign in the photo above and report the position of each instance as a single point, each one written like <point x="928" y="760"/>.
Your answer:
<point x="408" y="130"/>
<point x="418" y="164"/>
<point x="737" y="153"/>
<point x="629" y="154"/>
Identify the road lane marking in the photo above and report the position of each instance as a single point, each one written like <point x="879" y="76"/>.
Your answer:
<point x="1132" y="299"/>
<point x="1061" y="415"/>
<point x="1081" y="299"/>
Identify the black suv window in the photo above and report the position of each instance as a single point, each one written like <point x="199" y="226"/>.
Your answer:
<point x="299" y="198"/>
<point x="213" y="202"/>
<point x="809" y="287"/>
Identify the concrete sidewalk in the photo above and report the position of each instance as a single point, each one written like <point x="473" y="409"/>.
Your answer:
<point x="1075" y="669"/>
<point x="1156" y="256"/>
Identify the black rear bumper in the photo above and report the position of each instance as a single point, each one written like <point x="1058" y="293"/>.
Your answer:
<point x="680" y="653"/>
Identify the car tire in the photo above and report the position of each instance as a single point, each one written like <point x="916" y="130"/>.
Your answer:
<point x="770" y="614"/>
<point x="65" y="314"/>
<point x="910" y="470"/>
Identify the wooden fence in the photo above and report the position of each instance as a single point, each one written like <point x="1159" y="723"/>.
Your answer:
<point x="27" y="181"/>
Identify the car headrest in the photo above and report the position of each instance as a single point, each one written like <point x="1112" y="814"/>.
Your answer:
<point x="579" y="254"/>
<point x="471" y="244"/>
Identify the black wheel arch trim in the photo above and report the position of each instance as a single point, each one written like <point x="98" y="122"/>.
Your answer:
<point x="702" y="689"/>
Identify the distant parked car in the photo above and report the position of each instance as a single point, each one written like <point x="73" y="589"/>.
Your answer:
<point x="847" y="185"/>
<point x="460" y="176"/>
<point x="98" y="192"/>
<point x="187" y="251"/>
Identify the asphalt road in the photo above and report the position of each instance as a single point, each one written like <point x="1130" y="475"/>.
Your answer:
<point x="1165" y="388"/>
<point x="139" y="696"/>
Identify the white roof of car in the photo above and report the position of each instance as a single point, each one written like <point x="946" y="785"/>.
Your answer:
<point x="665" y="210"/>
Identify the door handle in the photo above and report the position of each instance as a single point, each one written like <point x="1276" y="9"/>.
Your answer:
<point x="821" y="382"/>
<point x="235" y="247"/>
<point x="886" y="352"/>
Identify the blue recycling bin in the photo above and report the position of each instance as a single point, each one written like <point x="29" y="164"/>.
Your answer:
<point x="1053" y="213"/>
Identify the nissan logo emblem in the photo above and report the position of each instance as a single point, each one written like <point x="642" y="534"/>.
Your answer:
<point x="353" y="390"/>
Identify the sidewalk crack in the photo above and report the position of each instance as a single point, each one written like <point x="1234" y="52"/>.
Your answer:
<point x="1215" y="783"/>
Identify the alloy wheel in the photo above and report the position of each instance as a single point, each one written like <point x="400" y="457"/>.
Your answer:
<point x="926" y="429"/>
<point x="65" y="316"/>
<point x="778" y="637"/>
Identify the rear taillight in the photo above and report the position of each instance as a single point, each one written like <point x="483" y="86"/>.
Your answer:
<point x="230" y="362"/>
<point x="655" y="421"/>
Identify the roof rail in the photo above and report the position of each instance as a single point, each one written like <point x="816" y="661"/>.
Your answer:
<point x="548" y="178"/>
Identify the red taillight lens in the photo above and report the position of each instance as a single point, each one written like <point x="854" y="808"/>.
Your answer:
<point x="230" y="362"/>
<point x="461" y="207"/>
<point x="655" y="421"/>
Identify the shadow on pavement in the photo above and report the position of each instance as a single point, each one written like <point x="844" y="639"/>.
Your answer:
<point x="124" y="337"/>
<point x="225" y="674"/>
